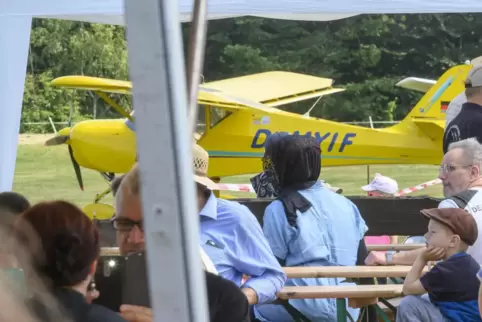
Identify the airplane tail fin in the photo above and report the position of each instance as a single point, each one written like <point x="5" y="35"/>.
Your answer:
<point x="435" y="101"/>
<point x="429" y="113"/>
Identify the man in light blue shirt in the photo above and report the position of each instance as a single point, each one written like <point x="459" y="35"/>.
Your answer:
<point x="234" y="241"/>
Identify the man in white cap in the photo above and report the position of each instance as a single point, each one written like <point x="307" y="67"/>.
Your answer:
<point x="468" y="123"/>
<point x="381" y="186"/>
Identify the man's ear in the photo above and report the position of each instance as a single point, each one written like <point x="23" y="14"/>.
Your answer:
<point x="93" y="268"/>
<point x="475" y="172"/>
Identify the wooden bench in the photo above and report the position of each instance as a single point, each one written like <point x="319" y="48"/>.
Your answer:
<point x="348" y="271"/>
<point x="114" y="251"/>
<point x="357" y="295"/>
<point x="394" y="247"/>
<point x="386" y="312"/>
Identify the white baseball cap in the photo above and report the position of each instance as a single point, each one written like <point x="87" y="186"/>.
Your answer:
<point x="382" y="184"/>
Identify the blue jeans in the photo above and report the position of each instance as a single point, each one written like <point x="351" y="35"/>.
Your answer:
<point x="415" y="308"/>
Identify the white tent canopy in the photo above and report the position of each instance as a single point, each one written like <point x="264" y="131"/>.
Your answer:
<point x="16" y="17"/>
<point x="170" y="225"/>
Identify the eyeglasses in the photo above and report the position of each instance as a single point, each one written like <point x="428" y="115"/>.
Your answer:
<point x="447" y="168"/>
<point x="124" y="224"/>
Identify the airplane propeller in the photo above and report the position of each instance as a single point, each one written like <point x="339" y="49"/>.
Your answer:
<point x="78" y="174"/>
<point x="57" y="140"/>
<point x="62" y="137"/>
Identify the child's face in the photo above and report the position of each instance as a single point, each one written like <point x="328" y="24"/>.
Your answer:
<point x="440" y="236"/>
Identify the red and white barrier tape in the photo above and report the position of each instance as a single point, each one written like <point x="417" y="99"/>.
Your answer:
<point x="418" y="187"/>
<point x="249" y="188"/>
<point x="235" y="187"/>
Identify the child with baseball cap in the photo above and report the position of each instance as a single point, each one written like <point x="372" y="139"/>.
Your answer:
<point x="452" y="284"/>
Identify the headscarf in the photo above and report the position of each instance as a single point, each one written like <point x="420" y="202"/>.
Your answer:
<point x="266" y="183"/>
<point x="291" y="163"/>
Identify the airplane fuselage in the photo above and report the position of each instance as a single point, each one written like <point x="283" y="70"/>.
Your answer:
<point x="236" y="144"/>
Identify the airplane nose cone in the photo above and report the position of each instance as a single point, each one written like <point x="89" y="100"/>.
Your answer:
<point x="104" y="145"/>
<point x="61" y="137"/>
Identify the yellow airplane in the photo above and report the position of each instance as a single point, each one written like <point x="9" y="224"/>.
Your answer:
<point x="109" y="146"/>
<point x="241" y="113"/>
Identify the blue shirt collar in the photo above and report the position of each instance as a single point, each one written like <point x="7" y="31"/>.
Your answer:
<point x="210" y="209"/>
<point x="459" y="254"/>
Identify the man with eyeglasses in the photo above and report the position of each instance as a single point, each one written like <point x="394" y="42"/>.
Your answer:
<point x="230" y="235"/>
<point x="226" y="301"/>
<point x="461" y="177"/>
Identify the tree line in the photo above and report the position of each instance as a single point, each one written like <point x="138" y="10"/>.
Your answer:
<point x="365" y="54"/>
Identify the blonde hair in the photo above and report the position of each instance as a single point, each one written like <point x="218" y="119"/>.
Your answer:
<point x="16" y="303"/>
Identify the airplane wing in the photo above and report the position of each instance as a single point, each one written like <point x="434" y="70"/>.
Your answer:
<point x="432" y="128"/>
<point x="261" y="91"/>
<point x="207" y="96"/>
<point x="275" y="88"/>
<point x="416" y="84"/>
<point x="93" y="84"/>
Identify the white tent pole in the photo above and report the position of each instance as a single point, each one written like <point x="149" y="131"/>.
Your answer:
<point x="156" y="65"/>
<point x="14" y="41"/>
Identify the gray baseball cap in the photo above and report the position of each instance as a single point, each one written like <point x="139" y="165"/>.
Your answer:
<point x="474" y="78"/>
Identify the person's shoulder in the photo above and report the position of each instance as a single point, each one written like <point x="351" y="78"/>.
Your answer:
<point x="467" y="262"/>
<point x="99" y="313"/>
<point x="274" y="206"/>
<point x="229" y="204"/>
<point x="340" y="200"/>
<point x="447" y="203"/>
<point x="463" y="199"/>
<point x="458" y="266"/>
<point x="238" y="212"/>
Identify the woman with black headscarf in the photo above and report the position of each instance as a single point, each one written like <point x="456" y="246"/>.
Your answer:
<point x="307" y="224"/>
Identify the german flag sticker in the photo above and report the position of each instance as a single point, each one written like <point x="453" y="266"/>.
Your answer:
<point x="444" y="106"/>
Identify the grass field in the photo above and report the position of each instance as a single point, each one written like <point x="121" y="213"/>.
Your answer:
<point x="44" y="173"/>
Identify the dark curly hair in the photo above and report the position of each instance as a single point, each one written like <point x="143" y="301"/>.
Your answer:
<point x="13" y="202"/>
<point x="296" y="159"/>
<point x="65" y="241"/>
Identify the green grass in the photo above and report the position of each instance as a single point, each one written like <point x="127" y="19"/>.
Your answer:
<point x="45" y="173"/>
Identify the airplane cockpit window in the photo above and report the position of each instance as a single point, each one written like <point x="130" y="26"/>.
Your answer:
<point x="201" y="120"/>
<point x="130" y="124"/>
<point x="217" y="115"/>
